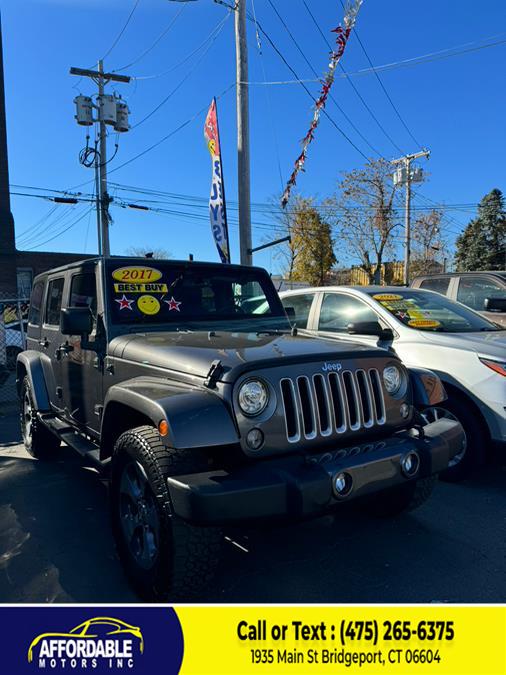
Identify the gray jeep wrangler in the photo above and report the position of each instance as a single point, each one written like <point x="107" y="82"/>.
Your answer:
<point x="207" y="412"/>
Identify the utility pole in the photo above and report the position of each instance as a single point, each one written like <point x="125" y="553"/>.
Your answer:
<point x="405" y="176"/>
<point x="110" y="111"/>
<point x="243" y="161"/>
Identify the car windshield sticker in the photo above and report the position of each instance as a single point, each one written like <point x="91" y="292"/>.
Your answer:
<point x="173" y="304"/>
<point x="386" y="297"/>
<point x="138" y="280"/>
<point x="148" y="304"/>
<point x="424" y="323"/>
<point x="124" y="302"/>
<point x="407" y="310"/>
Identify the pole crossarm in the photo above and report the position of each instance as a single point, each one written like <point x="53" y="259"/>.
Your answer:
<point x="96" y="74"/>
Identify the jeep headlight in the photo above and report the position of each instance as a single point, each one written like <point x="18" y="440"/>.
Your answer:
<point x="253" y="397"/>
<point x="392" y="379"/>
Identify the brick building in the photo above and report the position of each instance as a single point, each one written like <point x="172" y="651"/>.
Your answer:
<point x="17" y="268"/>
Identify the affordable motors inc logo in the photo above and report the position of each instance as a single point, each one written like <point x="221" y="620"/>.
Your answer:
<point x="99" y="643"/>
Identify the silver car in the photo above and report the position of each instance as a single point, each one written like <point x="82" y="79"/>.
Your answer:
<point x="428" y="330"/>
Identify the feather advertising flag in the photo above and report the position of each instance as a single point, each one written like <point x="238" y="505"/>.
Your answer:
<point x="342" y="35"/>
<point x="217" y="204"/>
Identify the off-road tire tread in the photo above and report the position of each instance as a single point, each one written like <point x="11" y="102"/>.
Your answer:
<point x="197" y="548"/>
<point x="44" y="443"/>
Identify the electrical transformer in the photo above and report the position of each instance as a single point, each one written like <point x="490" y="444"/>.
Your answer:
<point x="107" y="104"/>
<point x="121" y="117"/>
<point x="84" y="110"/>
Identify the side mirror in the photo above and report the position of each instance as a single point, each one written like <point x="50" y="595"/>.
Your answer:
<point x="370" y="328"/>
<point x="495" y="304"/>
<point x="76" y="321"/>
<point x="290" y="313"/>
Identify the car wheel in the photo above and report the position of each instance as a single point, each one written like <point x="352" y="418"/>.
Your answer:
<point x="472" y="453"/>
<point x="39" y="441"/>
<point x="163" y="556"/>
<point x="403" y="498"/>
<point x="12" y="355"/>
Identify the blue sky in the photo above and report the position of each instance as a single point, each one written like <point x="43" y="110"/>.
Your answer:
<point x="454" y="106"/>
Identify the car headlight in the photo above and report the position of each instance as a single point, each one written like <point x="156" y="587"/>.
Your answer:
<point x="496" y="366"/>
<point x="253" y="397"/>
<point x="392" y="378"/>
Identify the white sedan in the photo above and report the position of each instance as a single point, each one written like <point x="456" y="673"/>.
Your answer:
<point x="428" y="330"/>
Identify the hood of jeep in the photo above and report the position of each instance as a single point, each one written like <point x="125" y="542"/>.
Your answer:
<point x="193" y="353"/>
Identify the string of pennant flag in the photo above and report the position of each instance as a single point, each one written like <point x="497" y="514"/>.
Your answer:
<point x="342" y="36"/>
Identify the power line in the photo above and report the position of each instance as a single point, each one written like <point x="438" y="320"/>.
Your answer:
<point x="331" y="96"/>
<point x="383" y="86"/>
<point x="121" y="31"/>
<point x="269" y="102"/>
<point x="181" y="82"/>
<point x="153" y="45"/>
<point x="58" y="234"/>
<point x="175" y="66"/>
<point x="325" y="112"/>
<point x="170" y="134"/>
<point x="352" y="84"/>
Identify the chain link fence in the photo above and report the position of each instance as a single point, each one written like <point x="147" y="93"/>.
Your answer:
<point x="13" y="323"/>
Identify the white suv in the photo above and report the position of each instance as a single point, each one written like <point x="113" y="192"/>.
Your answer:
<point x="428" y="330"/>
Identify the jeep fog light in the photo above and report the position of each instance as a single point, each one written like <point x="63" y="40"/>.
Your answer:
<point x="410" y="464"/>
<point x="342" y="484"/>
<point x="255" y="439"/>
<point x="253" y="397"/>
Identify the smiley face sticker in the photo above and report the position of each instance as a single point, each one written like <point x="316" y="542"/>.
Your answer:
<point x="148" y="304"/>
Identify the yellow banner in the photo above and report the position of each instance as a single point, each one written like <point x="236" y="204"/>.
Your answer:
<point x="140" y="288"/>
<point x="441" y="639"/>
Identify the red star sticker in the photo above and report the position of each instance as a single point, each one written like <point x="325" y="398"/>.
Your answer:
<point x="173" y="304"/>
<point x="124" y="303"/>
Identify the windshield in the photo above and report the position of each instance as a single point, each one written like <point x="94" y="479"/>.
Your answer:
<point x="186" y="296"/>
<point x="426" y="310"/>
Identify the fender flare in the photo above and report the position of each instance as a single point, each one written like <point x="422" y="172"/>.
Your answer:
<point x="428" y="389"/>
<point x="29" y="362"/>
<point x="197" y="418"/>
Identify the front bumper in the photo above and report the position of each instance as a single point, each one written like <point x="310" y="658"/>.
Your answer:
<point x="303" y="485"/>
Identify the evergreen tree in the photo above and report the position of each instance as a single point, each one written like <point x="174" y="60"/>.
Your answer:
<point x="312" y="240"/>
<point x="482" y="245"/>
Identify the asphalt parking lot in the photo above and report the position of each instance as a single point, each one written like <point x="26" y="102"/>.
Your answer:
<point x="56" y="546"/>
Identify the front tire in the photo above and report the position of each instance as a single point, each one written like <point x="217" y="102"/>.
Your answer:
<point x="472" y="453"/>
<point x="39" y="441"/>
<point x="163" y="556"/>
<point x="402" y="499"/>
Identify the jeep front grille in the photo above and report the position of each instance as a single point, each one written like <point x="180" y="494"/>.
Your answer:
<point x="323" y="405"/>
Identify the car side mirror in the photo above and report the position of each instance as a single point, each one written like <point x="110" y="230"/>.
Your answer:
<point x="290" y="313"/>
<point x="494" y="304"/>
<point x="76" y="321"/>
<point x="370" y="328"/>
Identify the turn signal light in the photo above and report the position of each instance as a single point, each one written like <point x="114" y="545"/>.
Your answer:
<point x="163" y="428"/>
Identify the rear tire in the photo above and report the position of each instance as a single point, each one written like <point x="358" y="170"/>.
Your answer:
<point x="39" y="441"/>
<point x="472" y="454"/>
<point x="402" y="499"/>
<point x="163" y="556"/>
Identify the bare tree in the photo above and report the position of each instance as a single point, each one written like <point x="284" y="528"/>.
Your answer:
<point x="428" y="244"/>
<point x="147" y="252"/>
<point x="363" y="215"/>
